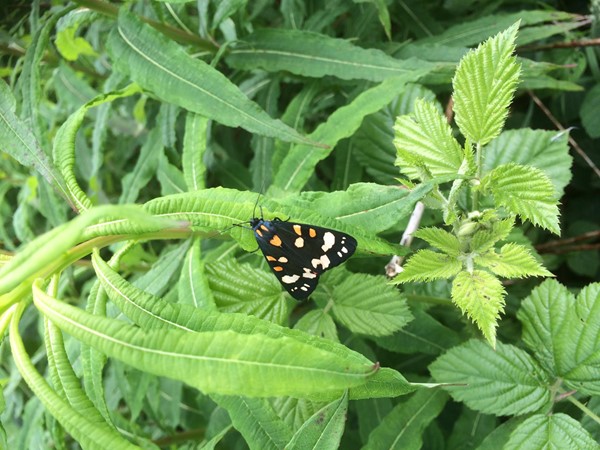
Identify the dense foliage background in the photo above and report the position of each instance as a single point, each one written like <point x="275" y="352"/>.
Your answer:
<point x="177" y="335"/>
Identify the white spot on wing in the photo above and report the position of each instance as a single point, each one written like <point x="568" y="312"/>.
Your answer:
<point x="289" y="279"/>
<point x="328" y="241"/>
<point x="299" y="243"/>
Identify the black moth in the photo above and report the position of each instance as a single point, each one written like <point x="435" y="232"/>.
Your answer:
<point x="298" y="253"/>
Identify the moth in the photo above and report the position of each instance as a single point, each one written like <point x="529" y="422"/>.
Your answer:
<point x="298" y="253"/>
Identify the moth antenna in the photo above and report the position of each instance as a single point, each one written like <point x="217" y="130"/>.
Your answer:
<point x="255" y="205"/>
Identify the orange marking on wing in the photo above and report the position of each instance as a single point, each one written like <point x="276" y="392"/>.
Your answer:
<point x="312" y="233"/>
<point x="257" y="231"/>
<point x="270" y="258"/>
<point x="298" y="230"/>
<point x="264" y="228"/>
<point x="277" y="268"/>
<point x="275" y="241"/>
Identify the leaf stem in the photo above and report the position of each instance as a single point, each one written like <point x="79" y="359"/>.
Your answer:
<point x="478" y="158"/>
<point x="584" y="408"/>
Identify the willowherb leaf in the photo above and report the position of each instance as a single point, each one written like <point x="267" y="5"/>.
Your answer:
<point x="222" y="362"/>
<point x="318" y="323"/>
<point x="564" y="334"/>
<point x="316" y="55"/>
<point x="481" y="296"/>
<point x="484" y="85"/>
<point x="324" y="428"/>
<point x="427" y="265"/>
<point x="525" y="191"/>
<point x="256" y="420"/>
<point x="165" y="69"/>
<point x="438" y="238"/>
<point x="503" y="381"/>
<point x="402" y="428"/>
<point x="425" y="138"/>
<point x="513" y="261"/>
<point x="543" y="431"/>
<point x="368" y="305"/>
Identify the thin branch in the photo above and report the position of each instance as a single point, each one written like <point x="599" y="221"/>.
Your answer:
<point x="558" y="125"/>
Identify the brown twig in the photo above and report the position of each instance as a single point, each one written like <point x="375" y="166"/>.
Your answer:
<point x="558" y="125"/>
<point x="566" y="241"/>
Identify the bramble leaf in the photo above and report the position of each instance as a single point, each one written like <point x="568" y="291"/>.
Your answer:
<point x="427" y="265"/>
<point x="513" y="261"/>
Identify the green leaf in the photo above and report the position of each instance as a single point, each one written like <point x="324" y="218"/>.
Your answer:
<point x="485" y="238"/>
<point x="145" y="168"/>
<point x="71" y="46"/>
<point x="525" y="191"/>
<point x="242" y="288"/>
<point x="587" y="112"/>
<point x="91" y="435"/>
<point x="368" y="305"/>
<point x="222" y="362"/>
<point x="427" y="265"/>
<point x="194" y="148"/>
<point x="424" y="138"/>
<point x="422" y="335"/>
<point x="441" y="239"/>
<point x="504" y="381"/>
<point x="471" y="32"/>
<point x="470" y="429"/>
<point x="318" y="323"/>
<point x="563" y="333"/>
<point x="299" y="164"/>
<point x="484" y="86"/>
<point x="403" y="427"/>
<point x="19" y="142"/>
<point x="513" y="261"/>
<point x="256" y="420"/>
<point x="551" y="431"/>
<point x="324" y="429"/>
<point x="481" y="296"/>
<point x="546" y="150"/>
<point x="193" y="286"/>
<point x="316" y="55"/>
<point x="64" y="145"/>
<point x="370" y="206"/>
<point x="165" y="69"/>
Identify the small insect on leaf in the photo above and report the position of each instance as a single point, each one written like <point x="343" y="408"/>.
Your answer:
<point x="298" y="253"/>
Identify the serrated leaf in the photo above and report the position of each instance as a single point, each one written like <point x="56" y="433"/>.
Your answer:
<point x="316" y="55"/>
<point x="425" y="138"/>
<point x="318" y="323"/>
<point x="504" y="381"/>
<point x="546" y="150"/>
<point x="484" y="85"/>
<point x="563" y="333"/>
<point x="422" y="335"/>
<point x="427" y="265"/>
<point x="513" y="261"/>
<point x="485" y="239"/>
<point x="481" y="296"/>
<point x="324" y="429"/>
<point x="368" y="305"/>
<point x="165" y="69"/>
<point x="441" y="239"/>
<point x="242" y="288"/>
<point x="221" y="362"/>
<point x="551" y="431"/>
<point x="402" y="428"/>
<point x="525" y="191"/>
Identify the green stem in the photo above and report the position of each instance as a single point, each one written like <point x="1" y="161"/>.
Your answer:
<point x="478" y="164"/>
<point x="584" y="408"/>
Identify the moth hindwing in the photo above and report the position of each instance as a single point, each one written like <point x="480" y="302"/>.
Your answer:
<point x="298" y="253"/>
